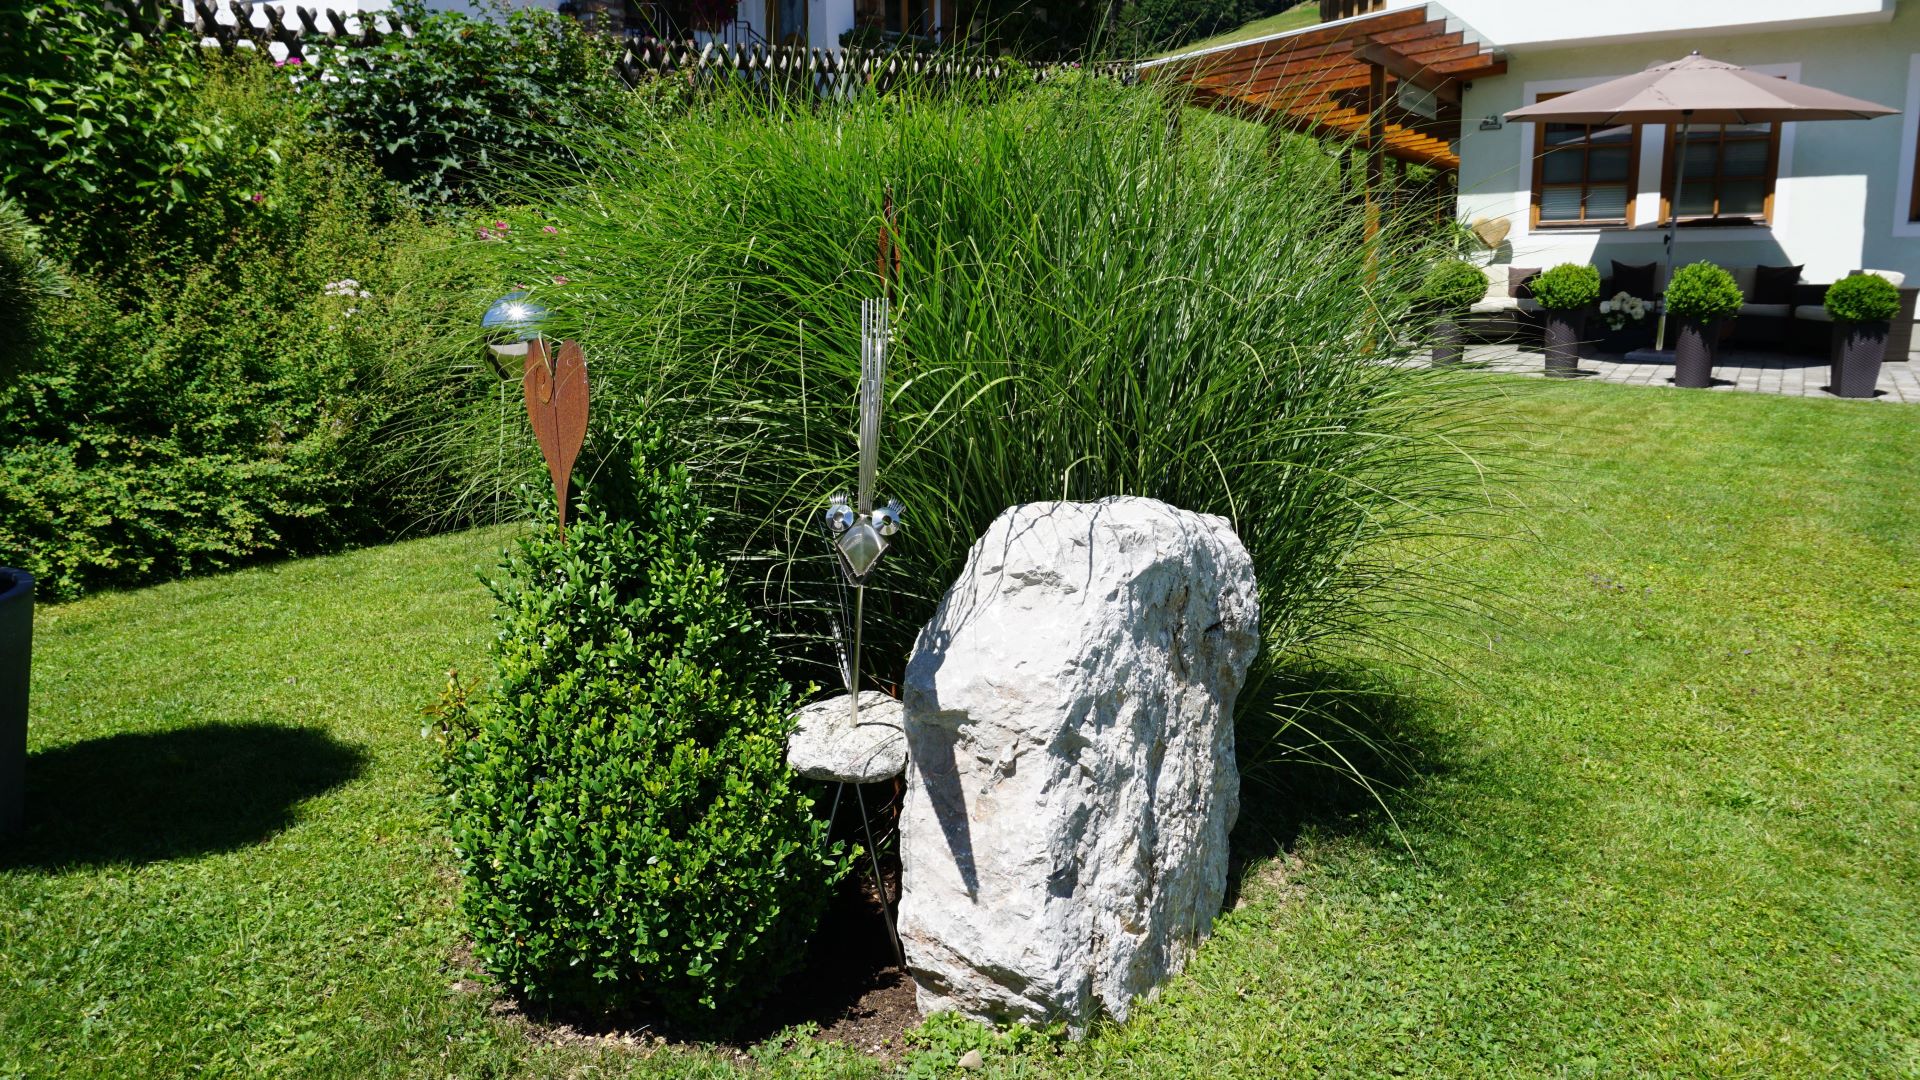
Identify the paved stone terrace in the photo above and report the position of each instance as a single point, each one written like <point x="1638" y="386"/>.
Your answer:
<point x="1734" y="369"/>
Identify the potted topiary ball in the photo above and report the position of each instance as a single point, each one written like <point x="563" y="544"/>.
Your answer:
<point x="1699" y="297"/>
<point x="1863" y="307"/>
<point x="1450" y="290"/>
<point x="1565" y="293"/>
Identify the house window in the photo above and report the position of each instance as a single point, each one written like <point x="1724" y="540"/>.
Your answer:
<point x="1730" y="170"/>
<point x="1584" y="175"/>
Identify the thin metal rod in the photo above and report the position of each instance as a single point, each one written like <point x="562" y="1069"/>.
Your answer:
<point x="880" y="883"/>
<point x="1673" y="223"/>
<point x="853" y="684"/>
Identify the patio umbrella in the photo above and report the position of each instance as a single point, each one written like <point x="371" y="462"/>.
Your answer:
<point x="1695" y="90"/>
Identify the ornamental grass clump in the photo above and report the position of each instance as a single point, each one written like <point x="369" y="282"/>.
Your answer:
<point x="1089" y="301"/>
<point x="618" y="793"/>
<point x="1862" y="298"/>
<point x="1567" y="287"/>
<point x="1702" y="292"/>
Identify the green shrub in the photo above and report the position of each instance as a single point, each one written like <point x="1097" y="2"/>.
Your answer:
<point x="1452" y="286"/>
<point x="457" y="110"/>
<point x="100" y="134"/>
<point x="1567" y="287"/>
<point x="29" y="278"/>
<point x="1086" y="308"/>
<point x="1702" y="291"/>
<point x="232" y="393"/>
<point x="1863" y="298"/>
<point x="619" y="796"/>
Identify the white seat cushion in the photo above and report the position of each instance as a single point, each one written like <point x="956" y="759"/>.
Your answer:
<point x="1894" y="276"/>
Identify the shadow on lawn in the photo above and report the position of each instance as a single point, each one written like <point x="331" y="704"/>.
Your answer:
<point x="1327" y="750"/>
<point x="153" y="796"/>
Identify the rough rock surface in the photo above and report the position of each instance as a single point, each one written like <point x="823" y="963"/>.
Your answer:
<point x="827" y="745"/>
<point x="1069" y="718"/>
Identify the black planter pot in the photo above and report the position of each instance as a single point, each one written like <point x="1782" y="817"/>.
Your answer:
<point x="16" y="661"/>
<point x="1862" y="349"/>
<point x="1449" y="342"/>
<point x="1563" y="341"/>
<point x="1693" y="342"/>
<point x="1630" y="336"/>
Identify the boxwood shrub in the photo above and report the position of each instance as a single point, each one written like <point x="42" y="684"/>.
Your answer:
<point x="1863" y="298"/>
<point x="1702" y="291"/>
<point x="1567" y="286"/>
<point x="619" y="796"/>
<point x="1452" y="286"/>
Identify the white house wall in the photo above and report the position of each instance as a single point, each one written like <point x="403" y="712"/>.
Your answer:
<point x="1518" y="24"/>
<point x="1840" y="202"/>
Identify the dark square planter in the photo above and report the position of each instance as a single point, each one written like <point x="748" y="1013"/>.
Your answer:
<point x="1631" y="335"/>
<point x="16" y="663"/>
<point x="1449" y="342"/>
<point x="1861" y="349"/>
<point x="1693" y="343"/>
<point x="1562" y="338"/>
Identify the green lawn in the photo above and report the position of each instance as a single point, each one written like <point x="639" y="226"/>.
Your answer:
<point x="1294" y="18"/>
<point x="1665" y="823"/>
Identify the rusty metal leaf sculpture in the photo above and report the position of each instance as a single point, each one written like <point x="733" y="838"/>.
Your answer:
<point x="557" y="404"/>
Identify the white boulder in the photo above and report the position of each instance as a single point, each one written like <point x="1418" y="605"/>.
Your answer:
<point x="828" y="743"/>
<point x="1069" y="720"/>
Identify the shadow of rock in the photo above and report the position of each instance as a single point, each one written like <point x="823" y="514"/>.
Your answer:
<point x="153" y="796"/>
<point x="1326" y="750"/>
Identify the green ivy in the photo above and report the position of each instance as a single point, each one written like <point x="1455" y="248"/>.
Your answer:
<point x="1863" y="298"/>
<point x="1702" y="291"/>
<point x="619" y="796"/>
<point x="1567" y="287"/>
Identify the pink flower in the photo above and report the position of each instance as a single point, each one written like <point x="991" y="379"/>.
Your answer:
<point x="558" y="280"/>
<point x="259" y="196"/>
<point x="482" y="234"/>
<point x="548" y="229"/>
<point x="501" y="225"/>
<point x="520" y="288"/>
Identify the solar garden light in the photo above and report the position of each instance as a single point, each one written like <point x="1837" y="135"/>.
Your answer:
<point x="511" y="323"/>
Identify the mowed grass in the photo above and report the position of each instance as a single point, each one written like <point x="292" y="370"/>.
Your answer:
<point x="1666" y="818"/>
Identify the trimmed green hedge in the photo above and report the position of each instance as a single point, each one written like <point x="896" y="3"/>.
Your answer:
<point x="1567" y="286"/>
<point x="619" y="795"/>
<point x="1702" y="291"/>
<point x="1863" y="298"/>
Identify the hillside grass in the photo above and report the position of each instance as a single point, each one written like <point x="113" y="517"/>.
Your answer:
<point x="1661" y="816"/>
<point x="1297" y="17"/>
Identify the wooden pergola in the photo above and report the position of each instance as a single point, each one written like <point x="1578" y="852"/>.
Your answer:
<point x="1387" y="82"/>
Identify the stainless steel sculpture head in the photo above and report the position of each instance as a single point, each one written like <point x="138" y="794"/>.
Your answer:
<point x="861" y="533"/>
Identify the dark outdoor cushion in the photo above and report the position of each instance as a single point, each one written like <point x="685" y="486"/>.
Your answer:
<point x="1634" y="280"/>
<point x="1774" y="284"/>
<point x="1520" y="281"/>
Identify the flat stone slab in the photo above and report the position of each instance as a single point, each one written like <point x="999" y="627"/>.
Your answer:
<point x="827" y="744"/>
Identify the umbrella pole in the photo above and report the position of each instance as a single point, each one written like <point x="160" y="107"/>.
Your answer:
<point x="1673" y="225"/>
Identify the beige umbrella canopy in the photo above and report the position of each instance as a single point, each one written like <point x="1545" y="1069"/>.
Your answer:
<point x="1696" y="90"/>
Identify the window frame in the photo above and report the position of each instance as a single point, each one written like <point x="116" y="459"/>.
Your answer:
<point x="1540" y="151"/>
<point x="1670" y="166"/>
